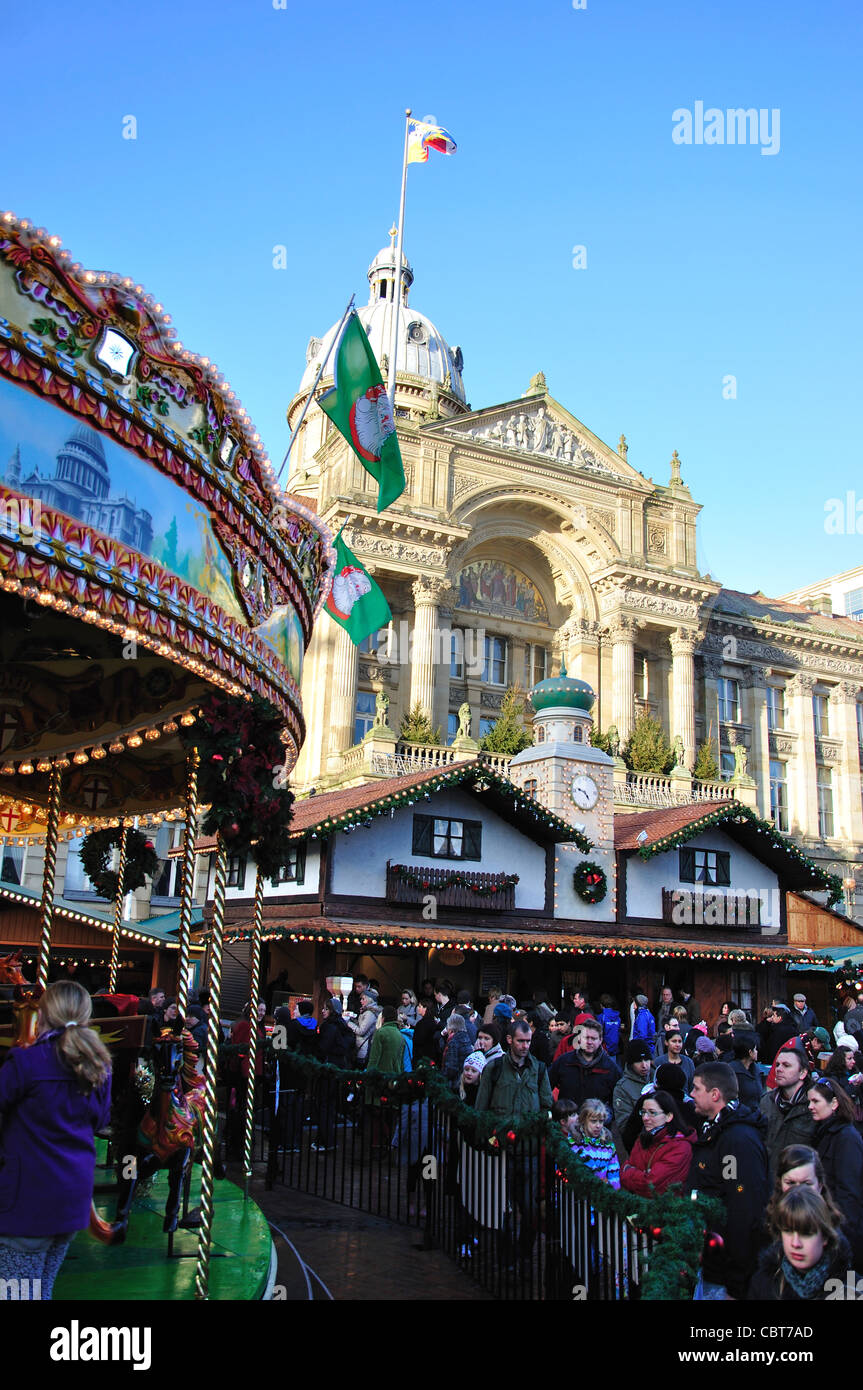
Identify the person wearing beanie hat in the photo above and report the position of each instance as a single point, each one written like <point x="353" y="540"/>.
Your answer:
<point x="365" y="1024"/>
<point x="638" y="1066"/>
<point x="472" y="1070"/>
<point x="503" y="1012"/>
<point x="705" y="1050"/>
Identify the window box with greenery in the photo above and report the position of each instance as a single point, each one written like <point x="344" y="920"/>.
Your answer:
<point x="456" y="888"/>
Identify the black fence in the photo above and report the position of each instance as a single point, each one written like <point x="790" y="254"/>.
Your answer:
<point x="505" y="1209"/>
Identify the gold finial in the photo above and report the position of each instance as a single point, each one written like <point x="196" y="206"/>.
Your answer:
<point x="393" y="233"/>
<point x="622" y="446"/>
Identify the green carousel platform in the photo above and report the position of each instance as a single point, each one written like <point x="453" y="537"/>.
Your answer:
<point x="242" y="1258"/>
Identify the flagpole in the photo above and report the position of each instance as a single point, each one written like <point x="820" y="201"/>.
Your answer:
<point x="394" y="339"/>
<point x="311" y="396"/>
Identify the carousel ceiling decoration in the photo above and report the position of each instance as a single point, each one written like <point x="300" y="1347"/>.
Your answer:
<point x="148" y="557"/>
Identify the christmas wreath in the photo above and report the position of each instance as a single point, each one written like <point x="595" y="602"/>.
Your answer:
<point x="590" y="882"/>
<point x="97" y="850"/>
<point x="241" y="777"/>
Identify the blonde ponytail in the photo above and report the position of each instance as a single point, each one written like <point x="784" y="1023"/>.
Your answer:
<point x="65" y="1006"/>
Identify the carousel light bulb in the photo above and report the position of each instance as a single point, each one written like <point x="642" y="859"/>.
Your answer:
<point x="170" y="727"/>
<point x="98" y="753"/>
<point x="117" y="746"/>
<point x="134" y="741"/>
<point x="7" y="770"/>
<point x="80" y="758"/>
<point x="43" y="765"/>
<point x="62" y="762"/>
<point x="187" y="719"/>
<point x="152" y="734"/>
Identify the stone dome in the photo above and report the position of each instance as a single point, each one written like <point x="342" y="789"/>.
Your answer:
<point x="422" y="349"/>
<point x="562" y="692"/>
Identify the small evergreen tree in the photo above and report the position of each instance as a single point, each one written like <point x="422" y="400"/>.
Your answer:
<point x="508" y="734"/>
<point x="416" y="727"/>
<point x="598" y="740"/>
<point x="648" y="750"/>
<point x="706" y="767"/>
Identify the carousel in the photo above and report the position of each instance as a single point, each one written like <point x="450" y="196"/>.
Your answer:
<point x="158" y="592"/>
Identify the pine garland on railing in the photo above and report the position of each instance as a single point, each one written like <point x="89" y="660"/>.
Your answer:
<point x="419" y="878"/>
<point x="676" y="1225"/>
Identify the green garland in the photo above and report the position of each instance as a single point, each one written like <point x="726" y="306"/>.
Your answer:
<point x="832" y="883"/>
<point x="590" y="882"/>
<point x="677" y="1225"/>
<point x="419" y="879"/>
<point x="242" y="757"/>
<point x="96" y="851"/>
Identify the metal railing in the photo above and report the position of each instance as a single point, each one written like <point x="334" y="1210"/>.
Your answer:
<point x="503" y="1211"/>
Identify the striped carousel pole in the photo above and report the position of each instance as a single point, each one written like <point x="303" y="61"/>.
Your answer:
<point x="202" y="1268"/>
<point x="254" y="974"/>
<point x="46" y="906"/>
<point x="187" y="899"/>
<point x="118" y="910"/>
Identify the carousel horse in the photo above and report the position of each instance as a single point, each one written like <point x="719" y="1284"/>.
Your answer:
<point x="165" y="1136"/>
<point x="25" y="1000"/>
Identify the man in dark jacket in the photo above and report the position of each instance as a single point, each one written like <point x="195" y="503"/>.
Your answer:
<point x="425" y="1033"/>
<point x="777" y="1027"/>
<point x="541" y="1045"/>
<point x="729" y="1162"/>
<point x="802" y="1016"/>
<point x="786" y="1109"/>
<point x="587" y="1072"/>
<point x="749" y="1084"/>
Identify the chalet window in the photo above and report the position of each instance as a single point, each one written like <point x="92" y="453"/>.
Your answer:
<point x="441" y="837"/>
<point x="705" y="866"/>
<point x="236" y="871"/>
<point x="294" y="868"/>
<point x="531" y="786"/>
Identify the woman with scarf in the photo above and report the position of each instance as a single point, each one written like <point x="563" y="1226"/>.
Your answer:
<point x="840" y="1148"/>
<point x="54" y="1098"/>
<point x="809" y="1252"/>
<point x="662" y="1153"/>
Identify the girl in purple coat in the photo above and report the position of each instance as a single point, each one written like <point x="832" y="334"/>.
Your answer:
<point x="54" y="1096"/>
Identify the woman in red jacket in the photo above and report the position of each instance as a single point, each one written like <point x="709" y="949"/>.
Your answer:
<point x="662" y="1152"/>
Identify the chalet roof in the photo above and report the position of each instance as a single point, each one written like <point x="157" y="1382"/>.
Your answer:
<point x="671" y="826"/>
<point x="348" y="807"/>
<point x="155" y="931"/>
<point x="561" y="937"/>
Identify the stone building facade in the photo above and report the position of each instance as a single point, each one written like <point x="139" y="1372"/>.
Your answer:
<point x="523" y="542"/>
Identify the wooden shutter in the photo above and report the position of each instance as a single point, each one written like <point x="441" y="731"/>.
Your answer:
<point x="472" y="839"/>
<point x="687" y="865"/>
<point x="235" y="978"/>
<point x="723" y="868"/>
<point x="422" y="840"/>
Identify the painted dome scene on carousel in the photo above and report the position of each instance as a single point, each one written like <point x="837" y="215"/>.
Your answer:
<point x="141" y="518"/>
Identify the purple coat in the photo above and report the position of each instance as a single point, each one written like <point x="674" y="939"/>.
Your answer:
<point x="47" y="1148"/>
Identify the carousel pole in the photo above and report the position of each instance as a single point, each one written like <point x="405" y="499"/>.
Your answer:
<point x="202" y="1268"/>
<point x="187" y="900"/>
<point x="46" y="906"/>
<point x="254" y="972"/>
<point x="118" y="911"/>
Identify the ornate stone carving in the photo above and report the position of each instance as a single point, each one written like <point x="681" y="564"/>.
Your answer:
<point x="622" y="628"/>
<point x="846" y="693"/>
<point x="801" y="684"/>
<point x="781" y="745"/>
<point x="396" y="550"/>
<point x="433" y="589"/>
<point x="654" y="603"/>
<point x="602" y="518"/>
<point x="462" y="482"/>
<point x="827" y="751"/>
<point x="657" y="540"/>
<point x="371" y="671"/>
<point x="711" y="667"/>
<point x="683" y="642"/>
<point x="577" y="629"/>
<point x="535" y="431"/>
<point x="492" y="701"/>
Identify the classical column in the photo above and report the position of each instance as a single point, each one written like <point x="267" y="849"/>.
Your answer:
<point x="850" y="806"/>
<point x="804" y="791"/>
<point x="343" y="701"/>
<point x="622" y="631"/>
<point x="759" y="764"/>
<point x="578" y="639"/>
<point x="683" y="721"/>
<point x="428" y="592"/>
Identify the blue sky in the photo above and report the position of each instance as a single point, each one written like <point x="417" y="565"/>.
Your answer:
<point x="260" y="127"/>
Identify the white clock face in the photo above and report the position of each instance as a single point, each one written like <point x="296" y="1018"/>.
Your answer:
<point x="585" y="792"/>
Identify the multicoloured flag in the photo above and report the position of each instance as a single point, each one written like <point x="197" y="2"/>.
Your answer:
<point x="360" y="409"/>
<point x="423" y="137"/>
<point x="355" y="602"/>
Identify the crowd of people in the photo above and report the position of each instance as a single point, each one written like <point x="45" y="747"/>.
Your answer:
<point x="763" y="1117"/>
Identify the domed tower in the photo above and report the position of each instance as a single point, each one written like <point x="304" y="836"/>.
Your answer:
<point x="562" y="769"/>
<point x="429" y="383"/>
